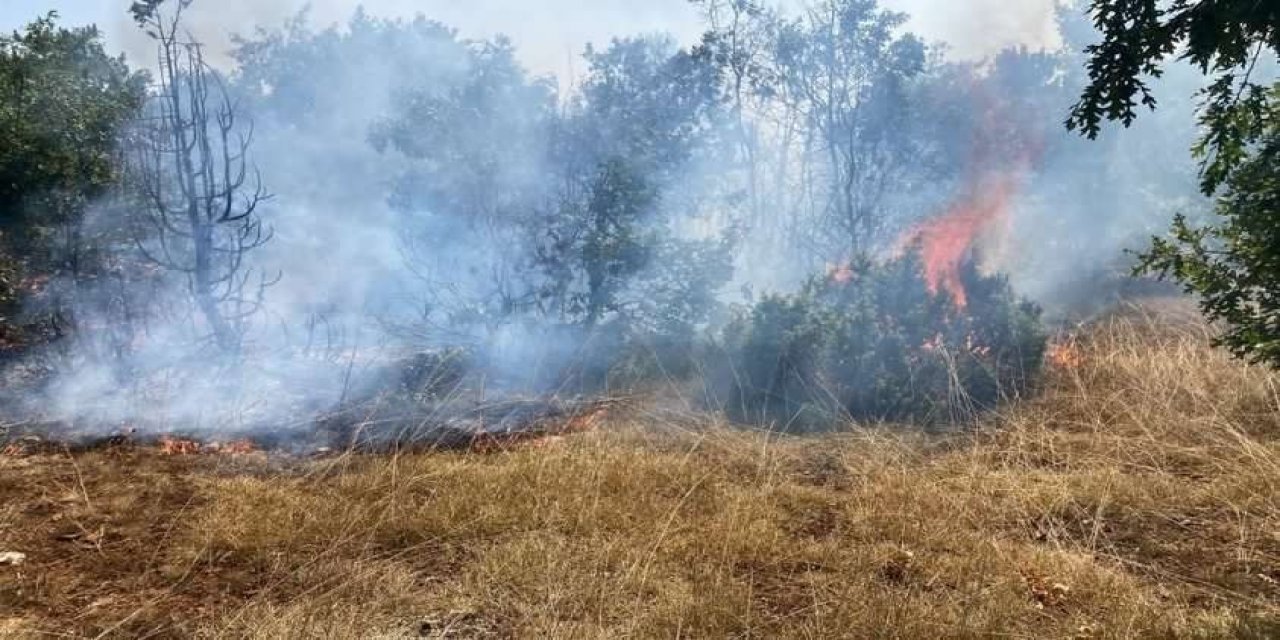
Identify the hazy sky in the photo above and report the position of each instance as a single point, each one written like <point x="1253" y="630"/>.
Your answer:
<point x="549" y="33"/>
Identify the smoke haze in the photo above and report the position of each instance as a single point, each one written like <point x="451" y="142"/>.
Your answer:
<point x="410" y="166"/>
<point x="550" y="34"/>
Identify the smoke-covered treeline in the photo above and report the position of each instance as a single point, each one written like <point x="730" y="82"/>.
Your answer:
<point x="803" y="209"/>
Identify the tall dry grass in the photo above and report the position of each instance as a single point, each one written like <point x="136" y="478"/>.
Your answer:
<point x="1134" y="498"/>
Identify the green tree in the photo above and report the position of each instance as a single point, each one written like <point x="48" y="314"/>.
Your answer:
<point x="1233" y="266"/>
<point x="645" y="111"/>
<point x="846" y="70"/>
<point x="613" y="247"/>
<point x="62" y="103"/>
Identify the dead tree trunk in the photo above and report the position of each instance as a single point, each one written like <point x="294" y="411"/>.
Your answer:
<point x="189" y="165"/>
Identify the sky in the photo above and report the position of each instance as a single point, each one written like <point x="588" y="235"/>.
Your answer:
<point x="549" y="33"/>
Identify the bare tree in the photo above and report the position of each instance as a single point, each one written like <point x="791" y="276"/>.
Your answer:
<point x="740" y="36"/>
<point x="845" y="73"/>
<point x="188" y="161"/>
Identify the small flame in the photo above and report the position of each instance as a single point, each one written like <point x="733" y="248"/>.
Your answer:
<point x="936" y="343"/>
<point x="238" y="447"/>
<point x="178" y="447"/>
<point x="544" y="437"/>
<point x="1065" y="354"/>
<point x="972" y="346"/>
<point x="171" y="446"/>
<point x="975" y="347"/>
<point x="840" y="273"/>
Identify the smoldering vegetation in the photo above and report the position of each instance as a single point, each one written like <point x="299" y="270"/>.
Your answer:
<point x="1134" y="497"/>
<point x="805" y="218"/>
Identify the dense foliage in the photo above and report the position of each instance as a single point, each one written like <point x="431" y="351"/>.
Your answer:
<point x="872" y="343"/>
<point x="62" y="102"/>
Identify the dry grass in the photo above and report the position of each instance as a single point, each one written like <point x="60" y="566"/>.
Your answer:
<point x="1136" y="498"/>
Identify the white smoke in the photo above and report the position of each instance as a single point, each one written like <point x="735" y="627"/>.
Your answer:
<point x="349" y="284"/>
<point x="549" y="33"/>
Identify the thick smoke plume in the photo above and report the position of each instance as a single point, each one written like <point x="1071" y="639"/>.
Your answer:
<point x="431" y="193"/>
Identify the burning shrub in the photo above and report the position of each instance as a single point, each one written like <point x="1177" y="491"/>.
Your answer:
<point x="875" y="342"/>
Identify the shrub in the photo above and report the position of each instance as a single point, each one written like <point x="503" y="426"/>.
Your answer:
<point x="875" y="344"/>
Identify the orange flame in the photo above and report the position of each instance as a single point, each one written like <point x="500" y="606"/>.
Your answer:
<point x="178" y="447"/>
<point x="1005" y="147"/>
<point x="172" y="446"/>
<point x="1065" y="354"/>
<point x="543" y="437"/>
<point x="946" y="242"/>
<point x="236" y="448"/>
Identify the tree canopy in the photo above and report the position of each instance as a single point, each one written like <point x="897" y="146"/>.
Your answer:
<point x="62" y="102"/>
<point x="62" y="99"/>
<point x="1233" y="266"/>
<point x="1225" y="39"/>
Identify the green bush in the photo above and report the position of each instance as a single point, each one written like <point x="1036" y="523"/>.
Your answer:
<point x="877" y="345"/>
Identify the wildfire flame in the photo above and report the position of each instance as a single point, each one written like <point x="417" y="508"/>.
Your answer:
<point x="172" y="446"/>
<point x="1004" y="148"/>
<point x="178" y="447"/>
<point x="972" y="345"/>
<point x="841" y="273"/>
<point x="236" y="448"/>
<point x="1065" y="354"/>
<point x="945" y="243"/>
<point x="544" y="437"/>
